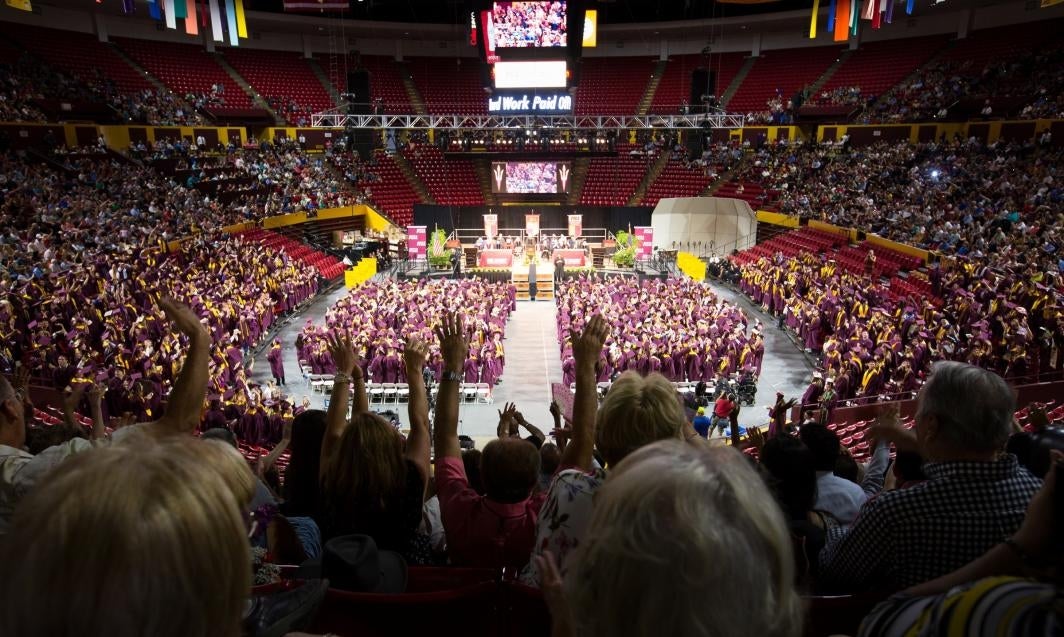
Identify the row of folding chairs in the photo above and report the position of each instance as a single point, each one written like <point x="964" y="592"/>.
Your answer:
<point x="394" y="393"/>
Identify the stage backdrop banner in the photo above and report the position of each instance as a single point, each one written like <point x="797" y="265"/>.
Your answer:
<point x="416" y="243"/>
<point x="576" y="225"/>
<point x="532" y="225"/>
<point x="491" y="226"/>
<point x="645" y="246"/>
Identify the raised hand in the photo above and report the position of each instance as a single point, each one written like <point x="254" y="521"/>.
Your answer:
<point x="587" y="345"/>
<point x="555" y="411"/>
<point x="96" y="394"/>
<point x="182" y="317"/>
<point x="454" y="344"/>
<point x="507" y="421"/>
<point x="887" y="428"/>
<point x="342" y="352"/>
<point x="415" y="353"/>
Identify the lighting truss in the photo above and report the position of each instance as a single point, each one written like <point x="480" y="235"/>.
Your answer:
<point x="338" y="118"/>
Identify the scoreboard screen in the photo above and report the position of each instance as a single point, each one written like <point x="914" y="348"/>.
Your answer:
<point x="519" y="25"/>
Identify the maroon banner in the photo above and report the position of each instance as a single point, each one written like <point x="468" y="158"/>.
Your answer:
<point x="416" y="243"/>
<point x="572" y="257"/>
<point x="495" y="259"/>
<point x="645" y="242"/>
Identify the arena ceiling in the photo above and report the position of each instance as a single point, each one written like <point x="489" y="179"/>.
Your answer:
<point x="610" y="12"/>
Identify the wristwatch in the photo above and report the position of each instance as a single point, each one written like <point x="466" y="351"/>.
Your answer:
<point x="449" y="375"/>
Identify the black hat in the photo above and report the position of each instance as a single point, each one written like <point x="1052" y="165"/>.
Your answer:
<point x="353" y="563"/>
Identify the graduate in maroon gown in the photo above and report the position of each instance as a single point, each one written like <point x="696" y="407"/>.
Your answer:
<point x="276" y="361"/>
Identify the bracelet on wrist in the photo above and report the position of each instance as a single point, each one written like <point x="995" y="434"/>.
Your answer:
<point x="342" y="377"/>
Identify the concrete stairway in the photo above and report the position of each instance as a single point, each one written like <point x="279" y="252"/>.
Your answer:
<point x="581" y="166"/>
<point x="737" y="81"/>
<point x="653" y="172"/>
<point x="324" y="79"/>
<point x="411" y="177"/>
<point x="814" y="88"/>
<point x="412" y="91"/>
<point x="652" y="87"/>
<point x="483" y="169"/>
<point x="246" y="87"/>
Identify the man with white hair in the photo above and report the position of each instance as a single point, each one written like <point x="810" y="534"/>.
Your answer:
<point x="975" y="496"/>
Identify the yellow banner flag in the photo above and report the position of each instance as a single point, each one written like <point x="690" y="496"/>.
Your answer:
<point x="21" y="5"/>
<point x="1045" y="3"/>
<point x="812" y="20"/>
<point x="241" y="22"/>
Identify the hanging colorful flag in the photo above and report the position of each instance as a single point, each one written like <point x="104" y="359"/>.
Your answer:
<point x="21" y="5"/>
<point x="180" y="9"/>
<point x="230" y="17"/>
<point x="890" y="11"/>
<point x="491" y="225"/>
<point x="168" y="14"/>
<point x="216" y="21"/>
<point x="854" y="8"/>
<point x="868" y="9"/>
<point x="316" y="5"/>
<point x="191" y="28"/>
<point x="241" y="21"/>
<point x="204" y="14"/>
<point x="812" y="20"/>
<point x="831" y="16"/>
<point x="128" y="8"/>
<point x="909" y="7"/>
<point x="154" y="10"/>
<point x="842" y="20"/>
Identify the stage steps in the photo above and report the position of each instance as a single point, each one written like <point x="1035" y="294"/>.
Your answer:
<point x="470" y="254"/>
<point x="544" y="283"/>
<point x="598" y="257"/>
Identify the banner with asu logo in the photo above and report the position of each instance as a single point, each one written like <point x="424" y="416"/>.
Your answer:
<point x="645" y="242"/>
<point x="532" y="225"/>
<point x="416" y="243"/>
<point x="576" y="225"/>
<point x="491" y="226"/>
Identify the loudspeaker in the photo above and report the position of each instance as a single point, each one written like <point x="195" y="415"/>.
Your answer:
<point x="703" y="82"/>
<point x="358" y="86"/>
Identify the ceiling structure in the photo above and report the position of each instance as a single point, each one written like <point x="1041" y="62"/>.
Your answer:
<point x="610" y="12"/>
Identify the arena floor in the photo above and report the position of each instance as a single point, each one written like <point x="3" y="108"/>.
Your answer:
<point x="532" y="364"/>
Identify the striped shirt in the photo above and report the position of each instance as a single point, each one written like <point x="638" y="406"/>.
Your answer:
<point x="903" y="538"/>
<point x="991" y="606"/>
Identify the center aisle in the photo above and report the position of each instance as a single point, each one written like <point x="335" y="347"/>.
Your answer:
<point x="532" y="360"/>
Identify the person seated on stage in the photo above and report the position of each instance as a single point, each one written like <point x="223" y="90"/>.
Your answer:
<point x="481" y="244"/>
<point x="498" y="528"/>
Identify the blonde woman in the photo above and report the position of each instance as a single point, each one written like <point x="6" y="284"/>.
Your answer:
<point x="636" y="412"/>
<point x="682" y="542"/>
<point x="139" y="538"/>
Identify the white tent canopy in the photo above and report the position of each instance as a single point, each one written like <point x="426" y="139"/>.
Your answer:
<point x="720" y="224"/>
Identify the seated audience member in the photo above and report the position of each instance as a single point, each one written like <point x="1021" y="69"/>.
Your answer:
<point x="636" y="576"/>
<point x="496" y="529"/>
<point x="838" y="496"/>
<point x="973" y="495"/>
<point x="636" y="412"/>
<point x="702" y="423"/>
<point x="371" y="483"/>
<point x="169" y="549"/>
<point x="20" y="471"/>
<point x="1012" y="589"/>
<point x="301" y="478"/>
<point x="792" y="477"/>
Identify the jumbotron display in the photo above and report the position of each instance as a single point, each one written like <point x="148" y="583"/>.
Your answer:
<point x="528" y="25"/>
<point x="527" y="178"/>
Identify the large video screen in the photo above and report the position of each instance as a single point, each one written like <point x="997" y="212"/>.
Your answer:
<point x="537" y="74"/>
<point x="528" y="177"/>
<point x="528" y="25"/>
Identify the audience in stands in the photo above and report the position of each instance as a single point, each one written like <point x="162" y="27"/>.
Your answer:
<point x="973" y="496"/>
<point x="637" y="574"/>
<point x="496" y="529"/>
